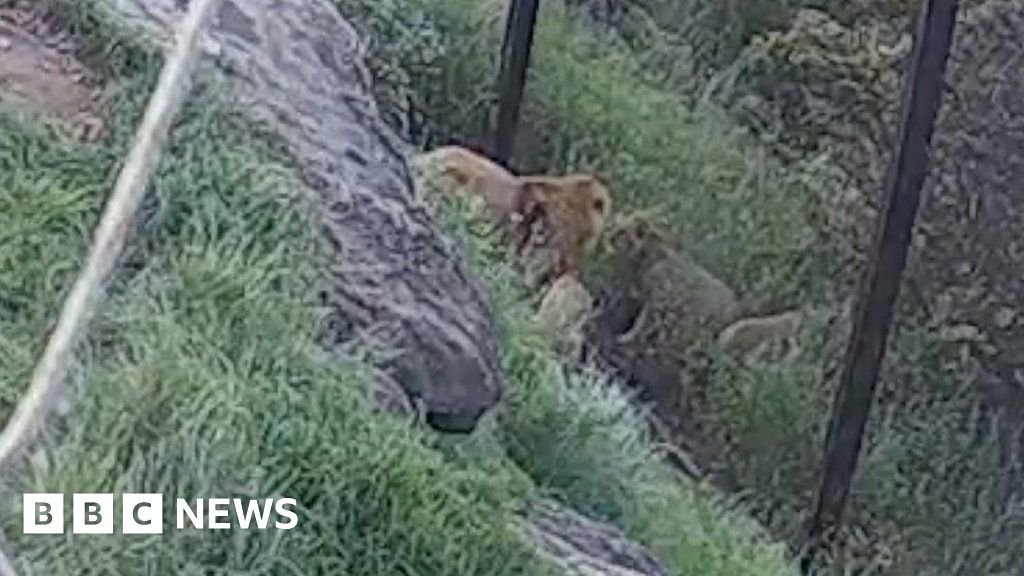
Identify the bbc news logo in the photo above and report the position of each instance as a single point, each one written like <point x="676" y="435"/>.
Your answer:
<point x="144" y="513"/>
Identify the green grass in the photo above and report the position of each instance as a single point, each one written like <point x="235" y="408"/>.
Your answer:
<point x="577" y="436"/>
<point x="939" y="485"/>
<point x="202" y="379"/>
<point x="580" y="438"/>
<point x="728" y="202"/>
<point x="742" y="214"/>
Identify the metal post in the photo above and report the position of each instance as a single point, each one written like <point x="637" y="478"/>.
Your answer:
<point x="515" y="58"/>
<point x="922" y="94"/>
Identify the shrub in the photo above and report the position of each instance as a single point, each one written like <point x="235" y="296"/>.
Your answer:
<point x="430" y="62"/>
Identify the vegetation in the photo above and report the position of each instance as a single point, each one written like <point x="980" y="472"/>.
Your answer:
<point x="201" y="377"/>
<point x="696" y="168"/>
<point x="764" y="209"/>
<point x="580" y="440"/>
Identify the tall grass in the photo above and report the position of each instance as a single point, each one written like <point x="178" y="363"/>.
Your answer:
<point x="201" y="377"/>
<point x="580" y="439"/>
<point x="588" y="107"/>
<point x="939" y="485"/>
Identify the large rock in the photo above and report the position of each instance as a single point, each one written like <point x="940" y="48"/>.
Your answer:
<point x="296" y="69"/>
<point x="583" y="547"/>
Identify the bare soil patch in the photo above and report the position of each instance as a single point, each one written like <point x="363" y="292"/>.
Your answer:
<point x="41" y="74"/>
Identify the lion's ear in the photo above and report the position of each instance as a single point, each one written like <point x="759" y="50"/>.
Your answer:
<point x="529" y="193"/>
<point x="541" y="190"/>
<point x="593" y="188"/>
<point x="537" y="186"/>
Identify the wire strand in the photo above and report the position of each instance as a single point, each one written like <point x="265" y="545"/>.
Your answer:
<point x="111" y="235"/>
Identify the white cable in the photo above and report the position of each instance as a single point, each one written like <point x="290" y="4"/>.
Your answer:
<point x="109" y="241"/>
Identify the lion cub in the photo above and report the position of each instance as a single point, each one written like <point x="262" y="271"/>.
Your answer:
<point x="745" y="336"/>
<point x="678" y="298"/>
<point x="563" y="311"/>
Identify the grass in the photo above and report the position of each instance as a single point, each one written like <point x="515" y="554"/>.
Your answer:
<point x="738" y="210"/>
<point x="201" y="378"/>
<point x="939" y="488"/>
<point x="938" y="483"/>
<point x="580" y="439"/>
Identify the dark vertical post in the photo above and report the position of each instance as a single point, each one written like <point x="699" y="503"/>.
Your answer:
<point x="515" y="58"/>
<point x="922" y="94"/>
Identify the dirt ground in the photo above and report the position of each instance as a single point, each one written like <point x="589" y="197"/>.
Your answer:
<point x="40" y="73"/>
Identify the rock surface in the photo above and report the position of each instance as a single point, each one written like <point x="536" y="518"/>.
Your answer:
<point x="397" y="283"/>
<point x="584" y="547"/>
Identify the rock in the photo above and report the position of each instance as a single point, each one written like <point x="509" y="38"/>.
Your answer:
<point x="389" y="396"/>
<point x="296" y="69"/>
<point x="584" y="547"/>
